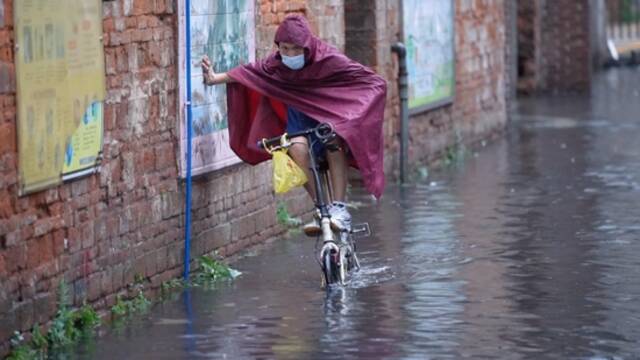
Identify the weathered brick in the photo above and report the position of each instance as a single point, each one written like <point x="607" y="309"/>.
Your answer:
<point x="6" y="206"/>
<point x="165" y="156"/>
<point x="3" y="267"/>
<point x="24" y="314"/>
<point x="58" y="242"/>
<point x="44" y="244"/>
<point x="7" y="81"/>
<point x="79" y="291"/>
<point x="94" y="287"/>
<point x="44" y="307"/>
<point x="7" y="137"/>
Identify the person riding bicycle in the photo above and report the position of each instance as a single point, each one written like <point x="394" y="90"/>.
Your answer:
<point x="306" y="81"/>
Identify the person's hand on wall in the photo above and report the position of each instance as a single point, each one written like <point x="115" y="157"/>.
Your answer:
<point x="208" y="76"/>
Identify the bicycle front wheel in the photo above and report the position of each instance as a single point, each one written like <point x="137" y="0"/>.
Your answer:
<point x="342" y="267"/>
<point x="329" y="267"/>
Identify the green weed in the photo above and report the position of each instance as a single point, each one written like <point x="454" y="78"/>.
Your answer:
<point x="21" y="350"/>
<point x="137" y="304"/>
<point x="38" y="340"/>
<point x="66" y="328"/>
<point x="170" y="285"/>
<point x="210" y="271"/>
<point x="87" y="318"/>
<point x="283" y="216"/>
<point x="120" y="307"/>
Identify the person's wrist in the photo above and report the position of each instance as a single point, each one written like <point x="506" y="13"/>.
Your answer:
<point x="209" y="78"/>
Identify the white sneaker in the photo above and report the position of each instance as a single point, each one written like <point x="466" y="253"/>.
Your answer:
<point x="340" y="217"/>
<point x="313" y="228"/>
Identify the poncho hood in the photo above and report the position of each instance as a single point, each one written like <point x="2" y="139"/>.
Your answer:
<point x="295" y="30"/>
<point x="330" y="88"/>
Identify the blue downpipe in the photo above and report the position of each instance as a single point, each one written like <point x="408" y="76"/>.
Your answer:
<point x="187" y="211"/>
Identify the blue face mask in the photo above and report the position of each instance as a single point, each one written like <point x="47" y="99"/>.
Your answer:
<point x="293" y="62"/>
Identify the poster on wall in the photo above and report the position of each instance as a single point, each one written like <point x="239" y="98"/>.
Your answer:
<point x="225" y="32"/>
<point x="60" y="90"/>
<point x="428" y="27"/>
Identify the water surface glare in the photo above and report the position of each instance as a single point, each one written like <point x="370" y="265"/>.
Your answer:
<point x="527" y="250"/>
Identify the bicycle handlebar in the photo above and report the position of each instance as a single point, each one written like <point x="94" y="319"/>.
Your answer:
<point x="323" y="131"/>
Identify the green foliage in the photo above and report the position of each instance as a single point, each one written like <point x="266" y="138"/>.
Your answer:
<point x="283" y="216"/>
<point x="66" y="328"/>
<point x="63" y="330"/>
<point x="139" y="303"/>
<point x="455" y="154"/>
<point x="63" y="295"/>
<point x="87" y="318"/>
<point x="211" y="271"/>
<point x="120" y="307"/>
<point x="172" y="284"/>
<point x="135" y="305"/>
<point x="38" y="340"/>
<point x="69" y="325"/>
<point x="138" y="279"/>
<point x="21" y="350"/>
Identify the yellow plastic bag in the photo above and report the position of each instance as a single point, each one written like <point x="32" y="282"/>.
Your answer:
<point x="286" y="173"/>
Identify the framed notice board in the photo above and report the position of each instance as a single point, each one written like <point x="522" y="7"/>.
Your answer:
<point x="225" y="32"/>
<point x="428" y="28"/>
<point x="60" y="90"/>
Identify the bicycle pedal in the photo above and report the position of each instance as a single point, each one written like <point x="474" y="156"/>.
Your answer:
<point x="361" y="230"/>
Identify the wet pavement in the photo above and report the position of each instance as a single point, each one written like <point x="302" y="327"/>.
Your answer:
<point x="529" y="248"/>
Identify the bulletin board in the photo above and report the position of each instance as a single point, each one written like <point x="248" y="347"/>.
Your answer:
<point x="225" y="32"/>
<point x="60" y="90"/>
<point x="428" y="28"/>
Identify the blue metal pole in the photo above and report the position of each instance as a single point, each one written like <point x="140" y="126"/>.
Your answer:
<point x="187" y="211"/>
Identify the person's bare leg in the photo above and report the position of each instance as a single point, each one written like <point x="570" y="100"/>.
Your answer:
<point x="338" y="168"/>
<point x="299" y="152"/>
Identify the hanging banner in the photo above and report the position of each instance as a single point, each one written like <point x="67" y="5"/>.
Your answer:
<point x="428" y="27"/>
<point x="224" y="31"/>
<point x="60" y="89"/>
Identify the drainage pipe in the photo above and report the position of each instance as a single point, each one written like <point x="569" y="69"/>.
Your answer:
<point x="403" y="87"/>
<point x="187" y="210"/>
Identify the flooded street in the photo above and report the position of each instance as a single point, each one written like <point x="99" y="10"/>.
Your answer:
<point x="528" y="248"/>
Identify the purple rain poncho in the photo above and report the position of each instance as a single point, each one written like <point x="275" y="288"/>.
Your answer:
<point x="330" y="88"/>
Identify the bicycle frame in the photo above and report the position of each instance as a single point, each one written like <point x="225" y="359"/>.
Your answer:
<point x="330" y="246"/>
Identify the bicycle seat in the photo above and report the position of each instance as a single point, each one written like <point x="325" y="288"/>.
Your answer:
<point x="325" y="133"/>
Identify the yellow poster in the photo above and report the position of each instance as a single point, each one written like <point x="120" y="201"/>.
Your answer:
<point x="61" y="87"/>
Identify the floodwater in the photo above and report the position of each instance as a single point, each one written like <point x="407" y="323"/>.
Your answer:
<point x="528" y="248"/>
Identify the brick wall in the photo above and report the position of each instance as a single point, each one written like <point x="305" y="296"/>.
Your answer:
<point x="565" y="45"/>
<point x="326" y="18"/>
<point x="479" y="107"/>
<point x="100" y="232"/>
<point x="527" y="27"/>
<point x="371" y="27"/>
<point x="554" y="45"/>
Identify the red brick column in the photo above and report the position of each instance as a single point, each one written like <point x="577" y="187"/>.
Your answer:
<point x="565" y="45"/>
<point x="554" y="45"/>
